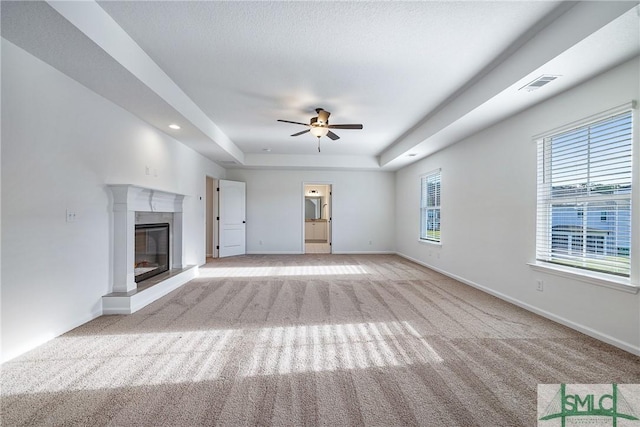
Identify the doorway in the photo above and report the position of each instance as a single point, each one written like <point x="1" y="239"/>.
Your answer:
<point x="316" y="235"/>
<point x="225" y="212"/>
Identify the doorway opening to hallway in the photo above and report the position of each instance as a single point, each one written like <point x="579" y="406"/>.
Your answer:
<point x="317" y="218"/>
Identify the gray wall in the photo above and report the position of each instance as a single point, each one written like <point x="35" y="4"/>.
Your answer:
<point x="61" y="145"/>
<point x="362" y="209"/>
<point x="489" y="214"/>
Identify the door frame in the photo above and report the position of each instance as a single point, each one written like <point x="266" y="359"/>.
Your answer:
<point x="211" y="214"/>
<point x="329" y="213"/>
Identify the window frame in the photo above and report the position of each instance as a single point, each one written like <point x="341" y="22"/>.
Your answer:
<point x="426" y="207"/>
<point x="611" y="280"/>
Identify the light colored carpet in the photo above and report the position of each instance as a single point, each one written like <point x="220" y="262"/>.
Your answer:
<point x="308" y="340"/>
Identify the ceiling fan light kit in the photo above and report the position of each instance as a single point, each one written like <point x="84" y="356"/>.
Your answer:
<point x="319" y="131"/>
<point x="319" y="126"/>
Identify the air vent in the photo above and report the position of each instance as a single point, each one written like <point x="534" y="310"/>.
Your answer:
<point x="539" y="82"/>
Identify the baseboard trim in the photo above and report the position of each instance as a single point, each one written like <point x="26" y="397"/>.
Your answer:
<point x="546" y="314"/>
<point x="94" y="314"/>
<point x="274" y="253"/>
<point x="333" y="252"/>
<point x="364" y="252"/>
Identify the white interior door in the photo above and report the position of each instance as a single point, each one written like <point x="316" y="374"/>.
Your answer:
<point x="232" y="226"/>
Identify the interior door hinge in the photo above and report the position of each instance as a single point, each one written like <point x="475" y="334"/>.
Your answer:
<point x="217" y="247"/>
<point x="218" y="189"/>
<point x="217" y="218"/>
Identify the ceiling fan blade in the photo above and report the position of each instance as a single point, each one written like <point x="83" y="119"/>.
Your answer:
<point x="300" y="133"/>
<point x="295" y="123"/>
<point x="345" y="126"/>
<point x="332" y="135"/>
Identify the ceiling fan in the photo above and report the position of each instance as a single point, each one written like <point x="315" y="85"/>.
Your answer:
<point x="319" y="126"/>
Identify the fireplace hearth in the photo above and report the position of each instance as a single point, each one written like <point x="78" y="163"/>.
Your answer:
<point x="151" y="250"/>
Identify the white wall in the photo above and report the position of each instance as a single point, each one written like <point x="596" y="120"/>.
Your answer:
<point x="489" y="213"/>
<point x="362" y="209"/>
<point x="61" y="145"/>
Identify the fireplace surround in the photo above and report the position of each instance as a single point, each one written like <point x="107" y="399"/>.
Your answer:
<point x="139" y="206"/>
<point x="135" y="205"/>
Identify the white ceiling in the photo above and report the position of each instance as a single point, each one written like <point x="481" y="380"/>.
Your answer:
<point x="418" y="75"/>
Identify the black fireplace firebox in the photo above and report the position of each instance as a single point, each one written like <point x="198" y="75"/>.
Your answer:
<point x="151" y="250"/>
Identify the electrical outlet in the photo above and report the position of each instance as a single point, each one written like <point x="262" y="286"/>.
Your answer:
<point x="370" y="242"/>
<point x="260" y="242"/>
<point x="540" y="284"/>
<point x="71" y="216"/>
<point x="147" y="170"/>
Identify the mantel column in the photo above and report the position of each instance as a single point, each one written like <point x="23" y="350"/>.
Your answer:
<point x="177" y="258"/>
<point x="124" y="247"/>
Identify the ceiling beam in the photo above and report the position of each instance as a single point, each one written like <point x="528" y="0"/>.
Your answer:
<point x="309" y="162"/>
<point x="100" y="28"/>
<point x="570" y="23"/>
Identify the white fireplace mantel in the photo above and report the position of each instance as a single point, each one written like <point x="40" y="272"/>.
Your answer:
<point x="140" y="199"/>
<point x="127" y="200"/>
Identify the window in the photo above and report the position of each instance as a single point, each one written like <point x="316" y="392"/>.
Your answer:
<point x="584" y="196"/>
<point x="430" y="207"/>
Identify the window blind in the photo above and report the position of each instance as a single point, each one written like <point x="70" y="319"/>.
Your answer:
<point x="584" y="196"/>
<point x="430" y="206"/>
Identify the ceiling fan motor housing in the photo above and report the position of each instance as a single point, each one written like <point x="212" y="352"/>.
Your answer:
<point x="323" y="116"/>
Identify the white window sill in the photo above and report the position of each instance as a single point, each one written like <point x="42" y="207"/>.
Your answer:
<point x="430" y="242"/>
<point x="591" y="277"/>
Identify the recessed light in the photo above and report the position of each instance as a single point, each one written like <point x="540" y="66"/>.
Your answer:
<point x="176" y="127"/>
<point x="267" y="150"/>
<point x="411" y="155"/>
